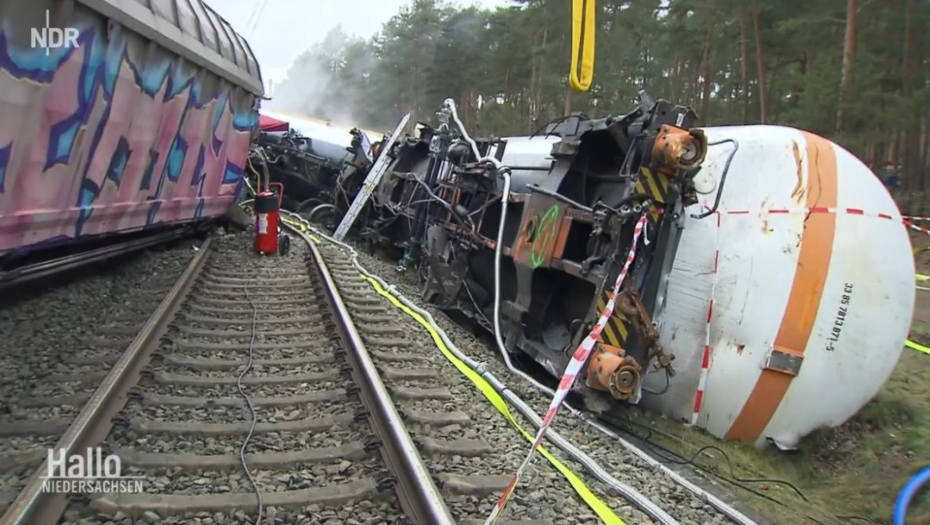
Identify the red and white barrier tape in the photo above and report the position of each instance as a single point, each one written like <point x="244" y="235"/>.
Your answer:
<point x="705" y="357"/>
<point x="786" y="211"/>
<point x="917" y="228"/>
<point x="579" y="358"/>
<point x="915" y="219"/>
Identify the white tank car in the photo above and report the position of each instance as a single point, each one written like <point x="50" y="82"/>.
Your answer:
<point x="329" y="140"/>
<point x="526" y="152"/>
<point x="812" y="281"/>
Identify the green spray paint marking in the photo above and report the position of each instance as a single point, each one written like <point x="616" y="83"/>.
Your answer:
<point x="544" y="232"/>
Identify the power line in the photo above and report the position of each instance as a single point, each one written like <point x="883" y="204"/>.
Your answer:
<point x="252" y="15"/>
<point x="258" y="18"/>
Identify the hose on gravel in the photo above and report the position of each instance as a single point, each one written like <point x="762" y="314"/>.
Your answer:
<point x="248" y="401"/>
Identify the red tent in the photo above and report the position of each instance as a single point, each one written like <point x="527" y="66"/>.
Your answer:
<point x="269" y="124"/>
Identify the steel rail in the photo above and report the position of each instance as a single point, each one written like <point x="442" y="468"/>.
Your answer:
<point x="418" y="495"/>
<point x="33" y="505"/>
<point x="71" y="262"/>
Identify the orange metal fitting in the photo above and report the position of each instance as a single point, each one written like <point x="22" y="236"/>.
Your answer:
<point x="677" y="149"/>
<point x="611" y="370"/>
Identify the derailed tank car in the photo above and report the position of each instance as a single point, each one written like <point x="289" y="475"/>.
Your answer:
<point x="308" y="159"/>
<point x="142" y="121"/>
<point x="770" y="256"/>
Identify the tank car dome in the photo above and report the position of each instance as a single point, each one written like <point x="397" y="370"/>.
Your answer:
<point x="811" y="276"/>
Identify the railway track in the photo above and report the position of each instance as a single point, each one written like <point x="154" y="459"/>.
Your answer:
<point x="357" y="417"/>
<point x="471" y="451"/>
<point x="326" y="443"/>
<point x="324" y="433"/>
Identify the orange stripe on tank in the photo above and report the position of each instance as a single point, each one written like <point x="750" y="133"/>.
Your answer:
<point x="810" y="278"/>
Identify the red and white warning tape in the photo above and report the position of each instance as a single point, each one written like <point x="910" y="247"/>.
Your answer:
<point x="906" y="220"/>
<point x="706" y="353"/>
<point x="705" y="358"/>
<point x="917" y="228"/>
<point x="786" y="211"/>
<point x="579" y="358"/>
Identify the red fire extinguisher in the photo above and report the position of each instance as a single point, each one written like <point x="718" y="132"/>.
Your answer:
<point x="267" y="212"/>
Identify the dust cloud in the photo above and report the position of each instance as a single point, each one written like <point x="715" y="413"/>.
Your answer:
<point x="323" y="82"/>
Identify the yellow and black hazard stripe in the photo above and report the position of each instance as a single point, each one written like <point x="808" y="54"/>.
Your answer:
<point x="617" y="328"/>
<point x="656" y="185"/>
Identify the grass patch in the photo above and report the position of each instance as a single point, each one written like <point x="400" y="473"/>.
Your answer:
<point x="856" y="469"/>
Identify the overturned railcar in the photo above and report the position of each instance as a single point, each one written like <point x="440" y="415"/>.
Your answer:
<point x="773" y="268"/>
<point x="139" y="118"/>
<point x="309" y="160"/>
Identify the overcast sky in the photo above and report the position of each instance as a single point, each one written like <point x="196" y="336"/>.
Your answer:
<point x="278" y="30"/>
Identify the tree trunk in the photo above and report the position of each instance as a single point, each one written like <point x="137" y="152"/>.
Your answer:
<point x="925" y="145"/>
<point x="849" y="50"/>
<point x="760" y="65"/>
<point x="675" y="78"/>
<point x="415" y="81"/>
<point x="539" y="97"/>
<point x="568" y="101"/>
<point x="925" y="149"/>
<point x="531" y="97"/>
<point x="705" y="74"/>
<point x="910" y="143"/>
<point x="893" y="148"/>
<point x="536" y="87"/>
<point x="507" y="84"/>
<point x="744" y="66"/>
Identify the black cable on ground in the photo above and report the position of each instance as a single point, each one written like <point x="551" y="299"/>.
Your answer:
<point x="669" y="456"/>
<point x="248" y="401"/>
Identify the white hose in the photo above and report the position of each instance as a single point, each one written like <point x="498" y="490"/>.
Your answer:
<point x="505" y="196"/>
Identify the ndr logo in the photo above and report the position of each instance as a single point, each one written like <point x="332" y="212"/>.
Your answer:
<point x="52" y="37"/>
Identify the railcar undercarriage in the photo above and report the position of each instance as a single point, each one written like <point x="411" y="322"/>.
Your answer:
<point x="310" y="174"/>
<point x="567" y="231"/>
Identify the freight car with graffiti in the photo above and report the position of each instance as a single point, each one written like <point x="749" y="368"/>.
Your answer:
<point x="141" y="121"/>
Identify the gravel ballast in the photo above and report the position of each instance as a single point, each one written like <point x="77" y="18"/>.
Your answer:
<point x="58" y="343"/>
<point x="310" y="453"/>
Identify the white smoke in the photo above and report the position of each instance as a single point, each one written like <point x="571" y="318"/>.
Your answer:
<point x="321" y="82"/>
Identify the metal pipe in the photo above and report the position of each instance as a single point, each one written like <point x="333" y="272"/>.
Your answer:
<point x="62" y="264"/>
<point x="558" y="197"/>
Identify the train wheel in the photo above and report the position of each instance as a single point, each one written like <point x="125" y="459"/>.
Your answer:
<point x="323" y="214"/>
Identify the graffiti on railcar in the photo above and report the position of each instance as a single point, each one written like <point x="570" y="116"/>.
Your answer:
<point x="113" y="135"/>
